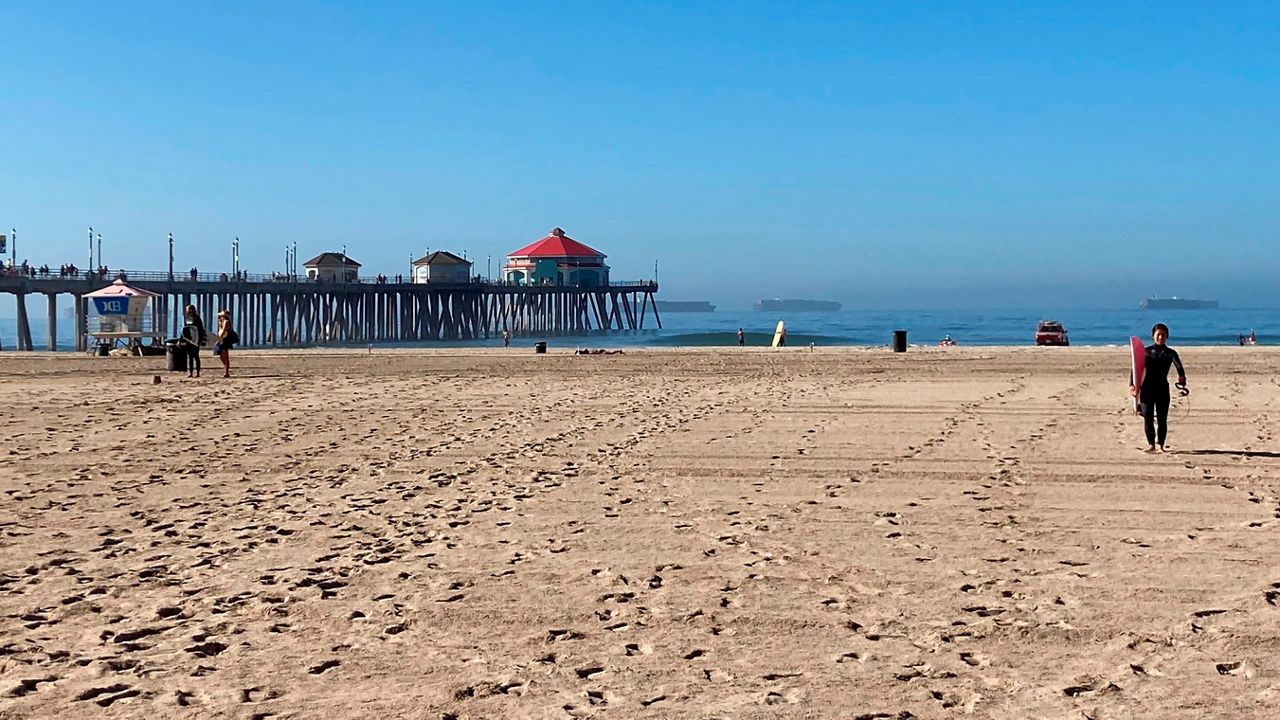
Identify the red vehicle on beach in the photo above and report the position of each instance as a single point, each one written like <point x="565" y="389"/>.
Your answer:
<point x="1051" y="332"/>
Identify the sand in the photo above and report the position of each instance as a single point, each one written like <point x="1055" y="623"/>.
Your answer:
<point x="969" y="532"/>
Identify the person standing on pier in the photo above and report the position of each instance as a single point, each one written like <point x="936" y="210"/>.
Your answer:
<point x="227" y="337"/>
<point x="193" y="338"/>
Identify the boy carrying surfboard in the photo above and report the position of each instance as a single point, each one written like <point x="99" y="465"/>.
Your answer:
<point x="1151" y="386"/>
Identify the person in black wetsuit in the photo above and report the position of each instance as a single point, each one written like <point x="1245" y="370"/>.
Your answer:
<point x="1154" y="393"/>
<point x="193" y="337"/>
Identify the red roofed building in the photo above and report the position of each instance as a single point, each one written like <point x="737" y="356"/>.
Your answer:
<point x="557" y="259"/>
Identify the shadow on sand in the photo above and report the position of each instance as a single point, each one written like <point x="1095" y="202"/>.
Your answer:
<point x="1237" y="453"/>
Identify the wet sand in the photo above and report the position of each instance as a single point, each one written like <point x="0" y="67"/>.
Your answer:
<point x="672" y="534"/>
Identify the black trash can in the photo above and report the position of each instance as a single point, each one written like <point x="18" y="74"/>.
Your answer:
<point x="175" y="356"/>
<point x="899" y="340"/>
<point x="102" y="349"/>
<point x="540" y="348"/>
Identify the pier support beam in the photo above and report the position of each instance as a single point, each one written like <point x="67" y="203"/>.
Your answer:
<point x="81" y="323"/>
<point x="53" y="322"/>
<point x="24" y="324"/>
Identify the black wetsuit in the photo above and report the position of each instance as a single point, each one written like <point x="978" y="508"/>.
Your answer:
<point x="1154" y="394"/>
<point x="193" y="336"/>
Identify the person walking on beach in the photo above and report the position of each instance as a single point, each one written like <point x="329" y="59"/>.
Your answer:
<point x="1154" y="392"/>
<point x="742" y="338"/>
<point x="227" y="337"/>
<point x="193" y="338"/>
<point x="506" y="338"/>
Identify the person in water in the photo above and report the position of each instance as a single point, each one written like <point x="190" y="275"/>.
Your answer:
<point x="1154" y="394"/>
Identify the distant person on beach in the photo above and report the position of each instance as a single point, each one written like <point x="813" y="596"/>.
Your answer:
<point x="227" y="337"/>
<point x="782" y="337"/>
<point x="742" y="338"/>
<point x="506" y="338"/>
<point x="1154" y="393"/>
<point x="193" y="338"/>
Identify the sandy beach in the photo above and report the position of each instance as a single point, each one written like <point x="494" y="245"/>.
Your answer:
<point x="850" y="533"/>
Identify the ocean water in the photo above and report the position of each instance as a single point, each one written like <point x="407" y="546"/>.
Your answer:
<point x="875" y="328"/>
<point x="966" y="327"/>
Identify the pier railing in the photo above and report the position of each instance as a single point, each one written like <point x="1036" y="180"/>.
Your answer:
<point x="152" y="276"/>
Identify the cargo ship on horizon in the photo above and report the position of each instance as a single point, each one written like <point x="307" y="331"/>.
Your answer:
<point x="685" y="306"/>
<point x="1177" y="303"/>
<point x="778" y="305"/>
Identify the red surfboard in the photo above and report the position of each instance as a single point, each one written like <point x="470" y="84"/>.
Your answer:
<point x="1139" y="368"/>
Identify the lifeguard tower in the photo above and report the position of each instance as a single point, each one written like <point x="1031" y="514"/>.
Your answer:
<point x="123" y="314"/>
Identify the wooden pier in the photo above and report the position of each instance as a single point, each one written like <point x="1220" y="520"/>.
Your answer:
<point x="278" y="311"/>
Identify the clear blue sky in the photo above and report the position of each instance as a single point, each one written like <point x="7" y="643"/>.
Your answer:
<point x="883" y="154"/>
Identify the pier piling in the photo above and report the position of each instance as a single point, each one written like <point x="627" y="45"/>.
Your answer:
<point x="53" y="321"/>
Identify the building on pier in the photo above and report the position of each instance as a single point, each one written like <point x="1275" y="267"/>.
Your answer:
<point x="441" y="266"/>
<point x="559" y="260"/>
<point x="332" y="267"/>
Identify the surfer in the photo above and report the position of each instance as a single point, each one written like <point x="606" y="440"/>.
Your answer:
<point x="1154" y="393"/>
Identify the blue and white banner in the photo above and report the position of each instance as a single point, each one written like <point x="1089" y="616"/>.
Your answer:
<point x="112" y="306"/>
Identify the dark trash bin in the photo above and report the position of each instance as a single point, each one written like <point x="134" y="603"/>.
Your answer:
<point x="175" y="356"/>
<point x="899" y="340"/>
<point x="102" y="349"/>
<point x="540" y="348"/>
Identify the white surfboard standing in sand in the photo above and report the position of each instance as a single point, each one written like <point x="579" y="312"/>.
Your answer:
<point x="779" y="335"/>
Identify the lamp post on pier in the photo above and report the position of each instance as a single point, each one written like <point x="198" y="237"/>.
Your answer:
<point x="235" y="259"/>
<point x="99" y="248"/>
<point x="13" y="238"/>
<point x="171" y="257"/>
<point x="90" y="268"/>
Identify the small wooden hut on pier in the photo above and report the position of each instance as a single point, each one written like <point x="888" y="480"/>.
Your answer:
<point x="441" y="266"/>
<point x="332" y="267"/>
